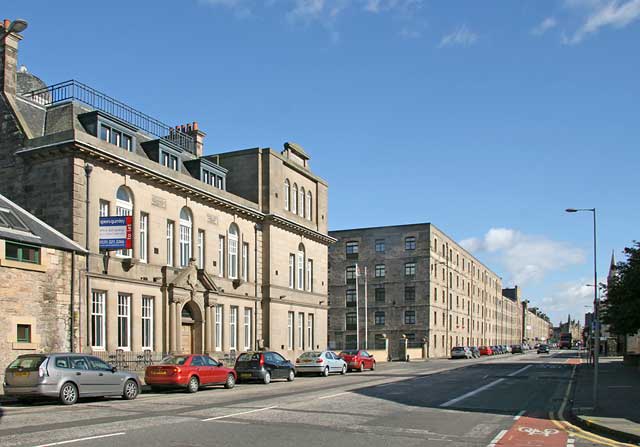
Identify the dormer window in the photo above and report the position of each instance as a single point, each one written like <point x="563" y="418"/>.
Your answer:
<point x="212" y="179"/>
<point x="169" y="160"/>
<point x="116" y="137"/>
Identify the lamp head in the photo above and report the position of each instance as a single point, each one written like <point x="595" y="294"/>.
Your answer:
<point x="571" y="210"/>
<point x="17" y="26"/>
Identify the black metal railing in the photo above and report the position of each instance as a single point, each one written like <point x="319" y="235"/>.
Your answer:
<point x="77" y="91"/>
<point x="128" y="360"/>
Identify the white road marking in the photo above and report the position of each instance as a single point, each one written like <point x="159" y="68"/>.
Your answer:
<point x="81" y="439"/>
<point x="482" y="388"/>
<point x="238" y="414"/>
<point x="333" y="395"/>
<point x="517" y="416"/>
<point x="498" y="437"/>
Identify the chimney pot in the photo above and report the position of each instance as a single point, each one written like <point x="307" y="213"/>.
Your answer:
<point x="195" y="125"/>
<point x="6" y="24"/>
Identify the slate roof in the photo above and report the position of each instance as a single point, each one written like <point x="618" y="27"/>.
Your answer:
<point x="19" y="225"/>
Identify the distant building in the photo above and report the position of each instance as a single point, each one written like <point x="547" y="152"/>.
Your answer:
<point x="421" y="285"/>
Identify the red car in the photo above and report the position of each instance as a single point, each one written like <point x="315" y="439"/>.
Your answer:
<point x="189" y="371"/>
<point x="359" y="360"/>
<point x="485" y="350"/>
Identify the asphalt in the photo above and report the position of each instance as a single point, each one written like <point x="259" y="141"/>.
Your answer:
<point x="617" y="413"/>
<point x="503" y="401"/>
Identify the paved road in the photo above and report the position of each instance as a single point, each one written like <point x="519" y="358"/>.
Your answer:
<point x="506" y="401"/>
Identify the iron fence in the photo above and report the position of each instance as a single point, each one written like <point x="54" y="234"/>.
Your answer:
<point x="74" y="90"/>
<point x="130" y="361"/>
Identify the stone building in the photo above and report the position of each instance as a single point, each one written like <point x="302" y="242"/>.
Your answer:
<point x="421" y="285"/>
<point x="39" y="281"/>
<point x="228" y="251"/>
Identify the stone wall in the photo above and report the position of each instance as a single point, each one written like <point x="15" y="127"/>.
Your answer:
<point x="40" y="296"/>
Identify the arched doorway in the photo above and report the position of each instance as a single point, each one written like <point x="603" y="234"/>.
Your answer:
<point x="191" y="329"/>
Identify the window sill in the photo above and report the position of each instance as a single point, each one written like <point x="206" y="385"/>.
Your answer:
<point x="24" y="346"/>
<point x="23" y="265"/>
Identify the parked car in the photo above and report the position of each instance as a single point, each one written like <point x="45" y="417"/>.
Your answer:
<point x="508" y="349"/>
<point x="67" y="376"/>
<point x="485" y="350"/>
<point x="264" y="366"/>
<point x="516" y="349"/>
<point x="322" y="363"/>
<point x="543" y="349"/>
<point x="358" y="359"/>
<point x="461" y="352"/>
<point x="475" y="351"/>
<point x="190" y="372"/>
<point x="494" y="350"/>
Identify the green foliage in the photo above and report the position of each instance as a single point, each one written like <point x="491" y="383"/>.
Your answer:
<point x="621" y="309"/>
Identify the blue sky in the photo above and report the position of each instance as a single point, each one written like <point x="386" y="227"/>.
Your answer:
<point x="486" y="118"/>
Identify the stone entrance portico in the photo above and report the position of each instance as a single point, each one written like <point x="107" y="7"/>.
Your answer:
<point x="191" y="295"/>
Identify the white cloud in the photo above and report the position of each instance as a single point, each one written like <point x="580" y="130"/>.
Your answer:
<point x="462" y="36"/>
<point x="602" y="14"/>
<point x="241" y="8"/>
<point x="572" y="297"/>
<point x="526" y="258"/>
<point x="544" y="26"/>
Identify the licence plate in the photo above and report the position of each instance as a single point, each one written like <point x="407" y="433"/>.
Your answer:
<point x="21" y="374"/>
<point x="245" y="375"/>
<point x="306" y="361"/>
<point x="160" y="373"/>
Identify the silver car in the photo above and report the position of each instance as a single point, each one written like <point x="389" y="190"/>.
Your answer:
<point x="461" y="352"/>
<point x="67" y="376"/>
<point x="320" y="362"/>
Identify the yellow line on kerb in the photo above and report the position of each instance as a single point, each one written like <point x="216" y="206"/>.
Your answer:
<point x="574" y="430"/>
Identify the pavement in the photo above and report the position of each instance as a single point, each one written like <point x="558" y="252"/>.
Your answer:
<point x="617" y="413"/>
<point x="501" y="401"/>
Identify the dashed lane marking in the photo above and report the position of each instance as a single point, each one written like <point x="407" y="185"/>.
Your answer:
<point x="333" y="395"/>
<point x="497" y="438"/>
<point x="238" y="414"/>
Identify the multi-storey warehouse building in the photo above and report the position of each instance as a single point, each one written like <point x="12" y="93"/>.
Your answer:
<point x="227" y="252"/>
<point x="420" y="285"/>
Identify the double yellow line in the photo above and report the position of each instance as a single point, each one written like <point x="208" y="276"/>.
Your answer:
<point x="559" y="421"/>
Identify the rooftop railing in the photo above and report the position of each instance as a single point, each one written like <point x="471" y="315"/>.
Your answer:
<point x="77" y="91"/>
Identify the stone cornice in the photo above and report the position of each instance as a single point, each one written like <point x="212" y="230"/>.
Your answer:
<point x="164" y="180"/>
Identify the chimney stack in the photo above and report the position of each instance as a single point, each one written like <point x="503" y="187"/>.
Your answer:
<point x="192" y="130"/>
<point x="8" y="59"/>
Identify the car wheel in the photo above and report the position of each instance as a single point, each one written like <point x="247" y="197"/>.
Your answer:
<point x="344" y="370"/>
<point x="267" y="378"/>
<point x="361" y="369"/>
<point x="231" y="382"/>
<point x="325" y="372"/>
<point x="131" y="390"/>
<point x="292" y="375"/>
<point x="68" y="394"/>
<point x="373" y="366"/>
<point x="194" y="384"/>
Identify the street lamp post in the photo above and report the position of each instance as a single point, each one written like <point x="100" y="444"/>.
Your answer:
<point x="596" y="305"/>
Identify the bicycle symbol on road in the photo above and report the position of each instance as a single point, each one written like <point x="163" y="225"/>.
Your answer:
<point x="535" y="432"/>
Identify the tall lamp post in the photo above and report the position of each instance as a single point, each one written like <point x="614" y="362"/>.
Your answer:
<point x="596" y="305"/>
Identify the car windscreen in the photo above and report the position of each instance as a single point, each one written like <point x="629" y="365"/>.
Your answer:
<point x="174" y="360"/>
<point x="458" y="348"/>
<point x="249" y="357"/>
<point x="31" y="362"/>
<point x="310" y="355"/>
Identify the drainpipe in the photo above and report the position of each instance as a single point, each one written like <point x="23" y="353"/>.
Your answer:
<point x="256" y="228"/>
<point x="72" y="304"/>
<point x="87" y="172"/>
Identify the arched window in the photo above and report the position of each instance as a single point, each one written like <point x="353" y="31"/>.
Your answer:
<point x="186" y="229"/>
<point x="301" y="207"/>
<point x="233" y="251"/>
<point x="287" y="194"/>
<point x="309" y="205"/>
<point x="294" y="200"/>
<point x="300" y="282"/>
<point x="124" y="207"/>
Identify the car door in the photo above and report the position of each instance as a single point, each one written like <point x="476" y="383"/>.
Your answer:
<point x="199" y="368"/>
<point x="336" y="363"/>
<point x="217" y="374"/>
<point x="282" y="366"/>
<point x="364" y="355"/>
<point x="106" y="380"/>
<point x="83" y="376"/>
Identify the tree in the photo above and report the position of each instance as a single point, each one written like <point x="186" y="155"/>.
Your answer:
<point x="621" y="308"/>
